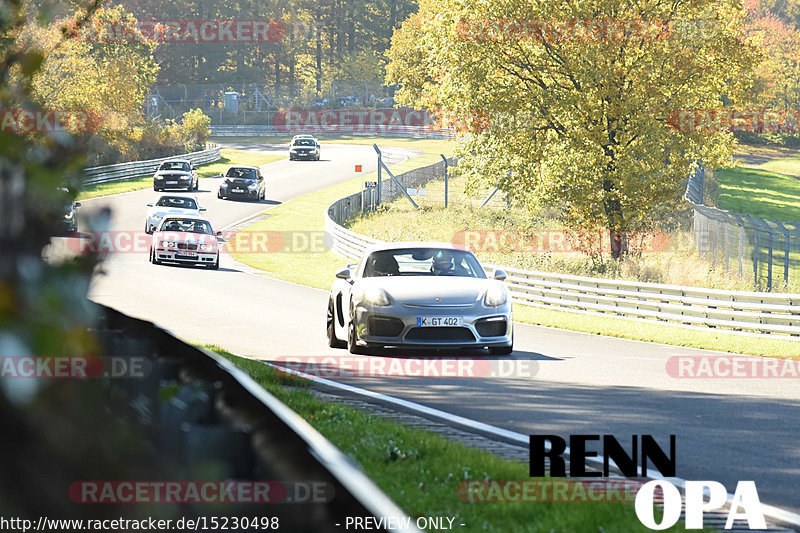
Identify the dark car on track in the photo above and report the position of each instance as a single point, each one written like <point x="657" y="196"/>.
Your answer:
<point x="304" y="148"/>
<point x="243" y="182"/>
<point x="176" y="174"/>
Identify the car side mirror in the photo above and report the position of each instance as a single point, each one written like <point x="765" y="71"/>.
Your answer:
<point x="344" y="274"/>
<point x="150" y="204"/>
<point x="202" y="209"/>
<point x="500" y="275"/>
<point x="156" y="168"/>
<point x="77" y="204"/>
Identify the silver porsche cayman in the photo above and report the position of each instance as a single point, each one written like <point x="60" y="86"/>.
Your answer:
<point x="419" y="295"/>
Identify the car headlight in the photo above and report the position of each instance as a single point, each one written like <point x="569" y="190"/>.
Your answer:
<point x="156" y="217"/>
<point x="495" y="296"/>
<point x="377" y="296"/>
<point x="159" y="178"/>
<point x="206" y="247"/>
<point x="184" y="178"/>
<point x="168" y="244"/>
<point x="253" y="186"/>
<point x="69" y="215"/>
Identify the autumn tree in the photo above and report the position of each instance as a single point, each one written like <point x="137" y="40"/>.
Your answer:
<point x="777" y="81"/>
<point x="570" y="104"/>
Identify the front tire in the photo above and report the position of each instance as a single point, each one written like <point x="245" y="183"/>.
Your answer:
<point x="333" y="342"/>
<point x="352" y="341"/>
<point x="153" y="257"/>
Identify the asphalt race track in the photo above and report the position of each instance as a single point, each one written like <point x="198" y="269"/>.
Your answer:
<point x="727" y="429"/>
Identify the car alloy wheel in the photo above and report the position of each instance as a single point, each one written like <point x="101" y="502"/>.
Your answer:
<point x="333" y="342"/>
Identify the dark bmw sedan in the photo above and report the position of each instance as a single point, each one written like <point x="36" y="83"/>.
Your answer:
<point x="243" y="182"/>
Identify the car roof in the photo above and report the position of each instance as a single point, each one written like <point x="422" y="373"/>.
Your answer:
<point x="176" y="161"/>
<point x="378" y="247"/>
<point x="242" y="166"/>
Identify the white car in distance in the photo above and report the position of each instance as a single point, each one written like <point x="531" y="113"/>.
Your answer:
<point x="169" y="205"/>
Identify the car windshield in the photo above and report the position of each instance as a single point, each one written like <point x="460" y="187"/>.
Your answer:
<point x="423" y="262"/>
<point x="304" y="142"/>
<point x="175" y="165"/>
<point x="241" y="173"/>
<point x="186" y="225"/>
<point x="177" y="202"/>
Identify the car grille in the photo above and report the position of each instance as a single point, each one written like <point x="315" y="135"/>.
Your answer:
<point x="491" y="327"/>
<point x="381" y="326"/>
<point x="185" y="246"/>
<point x="444" y="334"/>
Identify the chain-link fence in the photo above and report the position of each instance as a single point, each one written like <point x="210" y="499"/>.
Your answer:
<point x="434" y="186"/>
<point x="769" y="250"/>
<point x="256" y="103"/>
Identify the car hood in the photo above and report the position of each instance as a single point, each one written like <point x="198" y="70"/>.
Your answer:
<point x="185" y="236"/>
<point x="162" y="211"/>
<point x="424" y="290"/>
<point x="173" y="173"/>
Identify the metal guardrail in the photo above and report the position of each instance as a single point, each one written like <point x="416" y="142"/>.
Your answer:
<point x="377" y="130"/>
<point x="140" y="169"/>
<point x="776" y="315"/>
<point x="203" y="414"/>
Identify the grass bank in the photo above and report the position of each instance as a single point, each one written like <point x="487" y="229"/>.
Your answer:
<point x="422" y="471"/>
<point x="229" y="157"/>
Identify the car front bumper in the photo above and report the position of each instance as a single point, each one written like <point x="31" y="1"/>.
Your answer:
<point x="247" y="193"/>
<point x="172" y="256"/>
<point x="179" y="184"/>
<point x="399" y="325"/>
<point x="307" y="155"/>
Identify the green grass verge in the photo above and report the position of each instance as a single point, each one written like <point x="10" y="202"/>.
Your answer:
<point x="434" y="146"/>
<point x="229" y="157"/>
<point x="663" y="333"/>
<point x="421" y="471"/>
<point x="761" y="192"/>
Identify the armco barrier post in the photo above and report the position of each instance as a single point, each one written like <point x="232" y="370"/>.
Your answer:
<point x="380" y="164"/>
<point x="446" y="178"/>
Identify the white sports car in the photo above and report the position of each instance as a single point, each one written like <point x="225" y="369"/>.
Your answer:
<point x="419" y="295"/>
<point x="185" y="239"/>
<point x="169" y="204"/>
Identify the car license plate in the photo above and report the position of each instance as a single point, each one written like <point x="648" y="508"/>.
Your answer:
<point x="172" y="183"/>
<point x="186" y="255"/>
<point x="237" y="190"/>
<point x="439" y="321"/>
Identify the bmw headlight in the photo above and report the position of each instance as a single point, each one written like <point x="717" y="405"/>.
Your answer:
<point x="168" y="244"/>
<point x="495" y="296"/>
<point x="206" y="247"/>
<point x="377" y="296"/>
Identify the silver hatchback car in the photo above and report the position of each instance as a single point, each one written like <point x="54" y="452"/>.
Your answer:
<point x="419" y="295"/>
